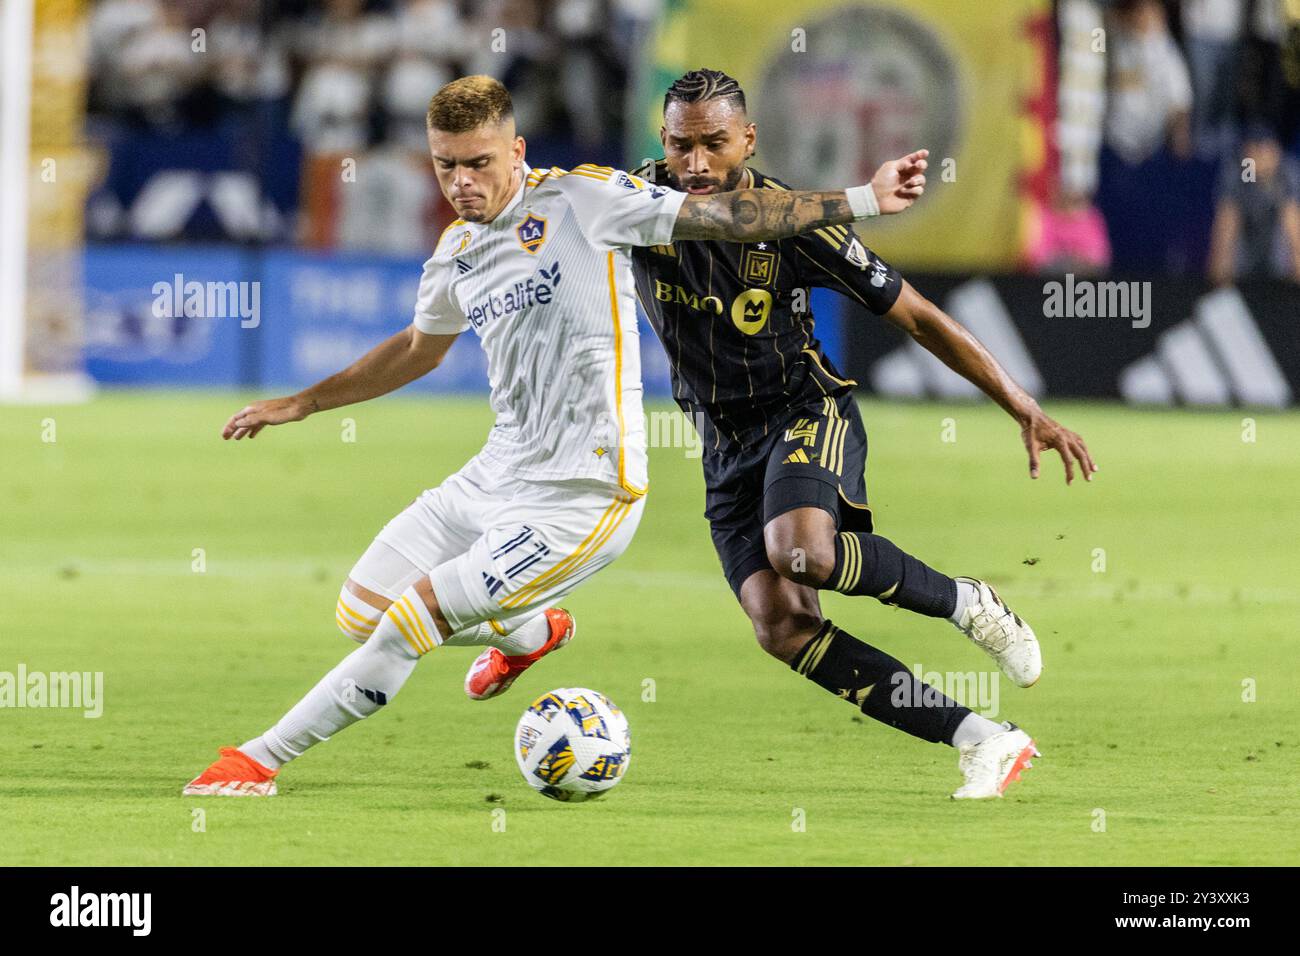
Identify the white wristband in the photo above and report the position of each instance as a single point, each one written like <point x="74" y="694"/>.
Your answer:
<point x="862" y="200"/>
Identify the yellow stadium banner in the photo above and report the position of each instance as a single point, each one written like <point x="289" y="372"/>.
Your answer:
<point x="837" y="88"/>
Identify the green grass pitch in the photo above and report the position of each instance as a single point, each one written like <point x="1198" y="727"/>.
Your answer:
<point x="1168" y="712"/>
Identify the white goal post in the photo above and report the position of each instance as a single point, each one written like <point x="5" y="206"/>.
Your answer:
<point x="39" y="360"/>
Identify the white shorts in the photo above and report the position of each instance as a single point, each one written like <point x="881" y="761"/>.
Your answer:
<point x="499" y="548"/>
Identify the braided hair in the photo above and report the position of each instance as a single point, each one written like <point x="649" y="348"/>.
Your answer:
<point x="699" y="85"/>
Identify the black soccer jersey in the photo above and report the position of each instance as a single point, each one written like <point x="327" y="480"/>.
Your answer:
<point x="736" y="319"/>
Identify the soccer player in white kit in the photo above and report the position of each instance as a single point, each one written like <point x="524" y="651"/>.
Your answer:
<point x="537" y="264"/>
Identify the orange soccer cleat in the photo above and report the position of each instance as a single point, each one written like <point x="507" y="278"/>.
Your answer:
<point x="493" y="672"/>
<point x="235" y="774"/>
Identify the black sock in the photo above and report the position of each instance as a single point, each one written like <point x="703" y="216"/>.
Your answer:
<point x="879" y="684"/>
<point x="866" y="563"/>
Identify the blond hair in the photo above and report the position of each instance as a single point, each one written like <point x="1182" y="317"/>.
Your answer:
<point x="468" y="103"/>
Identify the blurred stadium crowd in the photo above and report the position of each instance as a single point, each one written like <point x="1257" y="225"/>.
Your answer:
<point x="286" y="91"/>
<point x="1178" y="122"/>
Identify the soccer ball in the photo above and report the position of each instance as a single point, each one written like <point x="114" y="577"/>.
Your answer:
<point x="572" y="744"/>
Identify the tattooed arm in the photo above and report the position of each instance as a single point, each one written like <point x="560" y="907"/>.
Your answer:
<point x="748" y="215"/>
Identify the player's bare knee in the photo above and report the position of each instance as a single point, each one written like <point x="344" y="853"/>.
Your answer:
<point x="358" y="611"/>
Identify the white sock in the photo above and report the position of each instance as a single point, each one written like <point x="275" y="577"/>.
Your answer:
<point x="519" y="638"/>
<point x="967" y="594"/>
<point x="523" y="638"/>
<point x="469" y="636"/>
<point x="364" y="681"/>
<point x="975" y="728"/>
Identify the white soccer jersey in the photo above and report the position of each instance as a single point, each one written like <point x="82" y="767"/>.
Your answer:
<point x="547" y="285"/>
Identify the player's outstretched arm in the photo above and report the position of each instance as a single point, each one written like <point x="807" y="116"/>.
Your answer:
<point x="750" y="215"/>
<point x="400" y="359"/>
<point x="948" y="341"/>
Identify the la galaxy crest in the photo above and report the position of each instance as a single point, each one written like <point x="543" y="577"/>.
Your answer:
<point x="531" y="232"/>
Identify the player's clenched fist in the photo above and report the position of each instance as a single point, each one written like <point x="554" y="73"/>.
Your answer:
<point x="251" y="419"/>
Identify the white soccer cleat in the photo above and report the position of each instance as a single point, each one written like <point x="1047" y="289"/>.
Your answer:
<point x="1000" y="633"/>
<point x="994" y="763"/>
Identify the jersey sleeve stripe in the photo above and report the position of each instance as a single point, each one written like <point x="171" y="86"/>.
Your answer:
<point x="618" y="379"/>
<point x="443" y="235"/>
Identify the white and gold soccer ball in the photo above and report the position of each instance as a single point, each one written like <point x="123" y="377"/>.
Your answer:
<point x="572" y="744"/>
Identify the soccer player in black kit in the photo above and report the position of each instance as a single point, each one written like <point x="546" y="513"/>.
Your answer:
<point x="784" y="447"/>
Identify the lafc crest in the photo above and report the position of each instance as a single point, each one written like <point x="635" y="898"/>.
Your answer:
<point x="758" y="268"/>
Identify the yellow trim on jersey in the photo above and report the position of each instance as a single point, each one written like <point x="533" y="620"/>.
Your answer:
<point x="618" y="379"/>
<point x="834" y="239"/>
<point x="601" y="174"/>
<point x="450" y="226"/>
<point x="610" y="519"/>
<point x="496" y="626"/>
<point x="838" y="381"/>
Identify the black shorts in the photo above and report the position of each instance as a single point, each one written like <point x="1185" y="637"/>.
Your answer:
<point x="821" y="444"/>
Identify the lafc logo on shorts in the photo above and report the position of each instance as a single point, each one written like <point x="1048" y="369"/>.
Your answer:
<point x="531" y="232"/>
